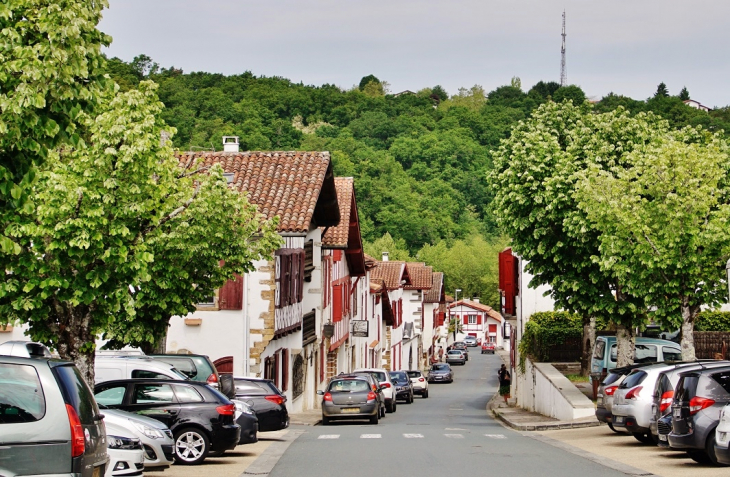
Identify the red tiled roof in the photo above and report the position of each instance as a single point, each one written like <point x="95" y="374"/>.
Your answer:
<point x="337" y="236"/>
<point x="296" y="186"/>
<point x="479" y="306"/>
<point x="391" y="272"/>
<point x="436" y="293"/>
<point x="420" y="276"/>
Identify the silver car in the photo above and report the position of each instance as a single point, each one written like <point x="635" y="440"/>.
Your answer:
<point x="456" y="356"/>
<point x="156" y="438"/>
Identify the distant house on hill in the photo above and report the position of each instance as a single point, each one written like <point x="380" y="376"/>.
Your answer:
<point x="696" y="104"/>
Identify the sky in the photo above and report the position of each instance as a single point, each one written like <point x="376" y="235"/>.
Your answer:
<point x="623" y="46"/>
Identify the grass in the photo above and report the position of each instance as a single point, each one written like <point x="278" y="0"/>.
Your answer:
<point x="577" y="378"/>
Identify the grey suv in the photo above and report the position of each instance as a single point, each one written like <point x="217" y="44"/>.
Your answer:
<point x="49" y="421"/>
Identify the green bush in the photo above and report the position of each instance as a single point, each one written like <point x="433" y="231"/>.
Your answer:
<point x="547" y="329"/>
<point x="712" y="321"/>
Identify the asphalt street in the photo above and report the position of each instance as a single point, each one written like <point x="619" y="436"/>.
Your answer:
<point x="447" y="432"/>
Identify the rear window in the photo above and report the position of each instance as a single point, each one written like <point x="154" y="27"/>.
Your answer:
<point x="187" y="394"/>
<point x="633" y="379"/>
<point x="663" y="385"/>
<point x="599" y="349"/>
<point x="723" y="379"/>
<point x="671" y="354"/>
<point x="76" y="392"/>
<point x="349" y="386"/>
<point x="611" y="378"/>
<point x="686" y="388"/>
<point x="22" y="398"/>
<point x="184" y="365"/>
<point x="252" y="387"/>
<point x="414" y="374"/>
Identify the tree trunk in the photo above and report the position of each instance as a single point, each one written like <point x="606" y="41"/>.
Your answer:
<point x="75" y="341"/>
<point x="589" y="340"/>
<point x="688" y="324"/>
<point x="625" y="342"/>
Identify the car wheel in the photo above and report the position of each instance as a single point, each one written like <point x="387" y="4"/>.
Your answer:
<point x="374" y="419"/>
<point x="699" y="456"/>
<point x="391" y="407"/>
<point x="325" y="421"/>
<point x="382" y="411"/>
<point x="710" y="450"/>
<point x="394" y="405"/>
<point x="642" y="437"/>
<point x="191" y="446"/>
<point x="425" y="394"/>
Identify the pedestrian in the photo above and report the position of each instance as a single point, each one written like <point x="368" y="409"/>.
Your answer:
<point x="505" y="381"/>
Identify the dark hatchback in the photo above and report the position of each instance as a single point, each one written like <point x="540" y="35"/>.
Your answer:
<point x="698" y="400"/>
<point x="201" y="419"/>
<point x="267" y="402"/>
<point x="403" y="386"/>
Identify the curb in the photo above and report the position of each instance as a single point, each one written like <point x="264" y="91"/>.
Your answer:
<point x="544" y="426"/>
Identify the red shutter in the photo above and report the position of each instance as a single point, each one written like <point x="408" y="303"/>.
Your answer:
<point x="508" y="273"/>
<point x="337" y="255"/>
<point x="321" y="362"/>
<point x="337" y="303"/>
<point x="277" y="383"/>
<point x="492" y="328"/>
<point x="300" y="283"/>
<point x="285" y="369"/>
<point x="230" y="296"/>
<point x="479" y="319"/>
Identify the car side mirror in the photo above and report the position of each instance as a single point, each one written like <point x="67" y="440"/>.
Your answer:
<point x="320" y="393"/>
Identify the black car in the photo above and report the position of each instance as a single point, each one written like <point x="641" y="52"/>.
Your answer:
<point x="267" y="402"/>
<point x="699" y="397"/>
<point x="403" y="386"/>
<point x="201" y="419"/>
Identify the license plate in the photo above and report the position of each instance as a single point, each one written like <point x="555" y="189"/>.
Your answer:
<point x="350" y="410"/>
<point x="677" y="413"/>
<point x="722" y="436"/>
<point x="618" y="419"/>
<point x="662" y="437"/>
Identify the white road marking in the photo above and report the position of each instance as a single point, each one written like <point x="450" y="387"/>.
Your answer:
<point x="370" y="436"/>
<point x="329" y="436"/>
<point x="413" y="436"/>
<point x="455" y="409"/>
<point x="496" y="436"/>
<point x="454" y="436"/>
<point x="454" y="429"/>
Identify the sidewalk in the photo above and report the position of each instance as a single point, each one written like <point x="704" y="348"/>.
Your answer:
<point x="311" y="417"/>
<point x="524" y="420"/>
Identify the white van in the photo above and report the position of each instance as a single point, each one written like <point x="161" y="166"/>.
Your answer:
<point x="122" y="367"/>
<point x="646" y="350"/>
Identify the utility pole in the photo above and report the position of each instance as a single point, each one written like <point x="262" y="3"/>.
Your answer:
<point x="563" y="70"/>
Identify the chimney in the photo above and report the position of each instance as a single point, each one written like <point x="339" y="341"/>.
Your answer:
<point x="475" y="300"/>
<point x="385" y="256"/>
<point x="230" y="143"/>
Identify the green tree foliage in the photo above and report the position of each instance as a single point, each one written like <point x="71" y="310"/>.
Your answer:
<point x="662" y="211"/>
<point x="711" y="320"/>
<point x="396" y="249"/>
<point x="569" y="93"/>
<point x="684" y="94"/>
<point x="366" y="80"/>
<point x="661" y="91"/>
<point x="104" y="213"/>
<point x="50" y="73"/>
<point x="546" y="330"/>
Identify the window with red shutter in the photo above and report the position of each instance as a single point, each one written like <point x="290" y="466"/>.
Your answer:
<point x="230" y="296"/>
<point x="337" y="303"/>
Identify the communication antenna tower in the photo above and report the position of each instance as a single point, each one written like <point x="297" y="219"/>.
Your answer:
<point x="563" y="70"/>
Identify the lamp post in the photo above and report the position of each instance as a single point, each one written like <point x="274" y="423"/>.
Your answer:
<point x="456" y="299"/>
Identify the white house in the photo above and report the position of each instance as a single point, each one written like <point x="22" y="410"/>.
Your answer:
<point x="394" y="275"/>
<point x="478" y="320"/>
<point x="412" y="347"/>
<point x="434" y="301"/>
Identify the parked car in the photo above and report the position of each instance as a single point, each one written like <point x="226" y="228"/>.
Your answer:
<point x="266" y="401"/>
<point x="722" y="436"/>
<point x="664" y="427"/>
<point x="698" y="400"/>
<point x="419" y="382"/>
<point x="634" y="398"/>
<point x="126" y="456"/>
<point x="246" y="418"/>
<point x="470" y="341"/>
<point x="109" y="368"/>
<point x="376" y="387"/>
<point x="201" y="418"/>
<point x="155" y="437"/>
<point x="461" y="347"/>
<point x="197" y="367"/>
<point x="606" y="390"/>
<point x="440" y="372"/>
<point x="455" y="356"/>
<point x="24" y="349"/>
<point x="487" y="347"/>
<point x="349" y="397"/>
<point x="646" y="350"/>
<point x="403" y="386"/>
<point x="664" y="391"/>
<point x="386" y="383"/>
<point x="49" y="421"/>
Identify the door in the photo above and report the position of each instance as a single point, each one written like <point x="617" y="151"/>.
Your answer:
<point x="155" y="400"/>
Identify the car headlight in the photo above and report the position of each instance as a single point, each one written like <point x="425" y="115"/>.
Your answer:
<point x="126" y="443"/>
<point x="243" y="407"/>
<point x="148" y="431"/>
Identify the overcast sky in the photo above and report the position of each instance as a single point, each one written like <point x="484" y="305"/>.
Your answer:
<point x="624" y="46"/>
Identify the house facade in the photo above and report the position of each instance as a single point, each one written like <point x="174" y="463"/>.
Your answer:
<point x="434" y="307"/>
<point x="478" y="320"/>
<point x="394" y="276"/>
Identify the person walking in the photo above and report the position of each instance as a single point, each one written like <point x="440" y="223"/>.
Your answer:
<point x="505" y="381"/>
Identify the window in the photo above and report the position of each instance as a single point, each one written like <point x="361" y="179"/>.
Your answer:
<point x="77" y="393"/>
<point x="599" y="349"/>
<point x="472" y="319"/>
<point x="645" y="354"/>
<point x="723" y="379"/>
<point x="111" y="396"/>
<point x="289" y="276"/>
<point x="143" y="374"/>
<point x="671" y="354"/>
<point x="284" y="369"/>
<point x="21" y="399"/>
<point x="187" y="394"/>
<point x="298" y="376"/>
<point x="152" y="394"/>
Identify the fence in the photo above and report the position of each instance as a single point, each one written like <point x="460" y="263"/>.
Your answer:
<point x="710" y="343"/>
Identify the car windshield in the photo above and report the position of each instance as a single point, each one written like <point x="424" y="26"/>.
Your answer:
<point x="439" y="367"/>
<point x="399" y="377"/>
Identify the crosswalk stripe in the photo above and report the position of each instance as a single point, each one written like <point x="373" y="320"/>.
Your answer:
<point x="413" y="436"/>
<point x="496" y="436"/>
<point x="454" y="436"/>
<point x="329" y="436"/>
<point x="370" y="436"/>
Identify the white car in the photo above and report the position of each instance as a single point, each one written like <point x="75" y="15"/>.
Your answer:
<point x="384" y="380"/>
<point x="722" y="436"/>
<point x="419" y="382"/>
<point x="156" y="438"/>
<point x="126" y="457"/>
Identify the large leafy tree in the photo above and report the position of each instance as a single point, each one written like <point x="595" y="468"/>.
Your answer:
<point x="51" y="71"/>
<point x="107" y="218"/>
<point x="536" y="171"/>
<point x="662" y="217"/>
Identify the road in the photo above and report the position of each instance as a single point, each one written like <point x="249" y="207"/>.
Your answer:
<point x="448" y="431"/>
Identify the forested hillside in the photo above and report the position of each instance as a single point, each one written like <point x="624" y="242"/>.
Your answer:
<point x="419" y="158"/>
